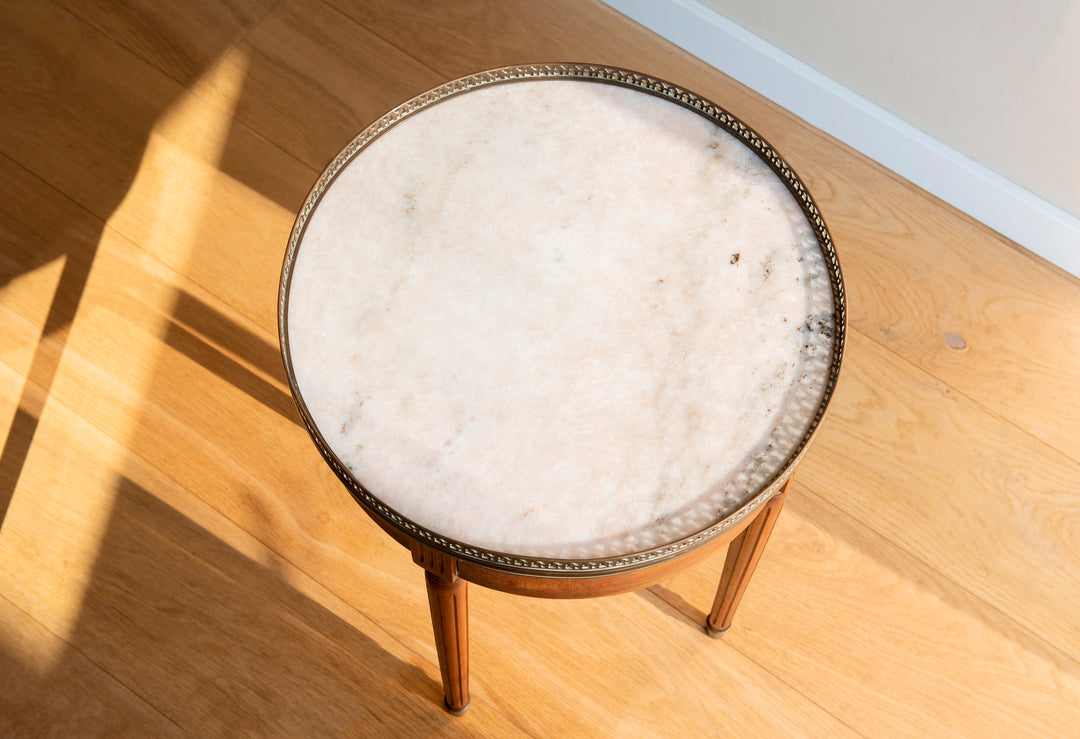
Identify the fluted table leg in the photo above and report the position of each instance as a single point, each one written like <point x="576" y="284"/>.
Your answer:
<point x="448" y="596"/>
<point x="742" y="557"/>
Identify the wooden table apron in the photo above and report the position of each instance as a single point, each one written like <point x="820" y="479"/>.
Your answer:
<point x="582" y="584"/>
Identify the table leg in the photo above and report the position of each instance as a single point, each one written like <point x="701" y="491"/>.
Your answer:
<point x="742" y="557"/>
<point x="448" y="597"/>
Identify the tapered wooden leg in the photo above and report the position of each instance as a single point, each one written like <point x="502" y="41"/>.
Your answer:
<point x="742" y="557"/>
<point x="448" y="596"/>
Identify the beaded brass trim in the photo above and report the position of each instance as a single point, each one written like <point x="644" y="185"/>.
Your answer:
<point x="608" y="75"/>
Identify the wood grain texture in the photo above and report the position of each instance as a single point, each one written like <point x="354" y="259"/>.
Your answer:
<point x="181" y="45"/>
<point x="839" y="609"/>
<point x="981" y="486"/>
<point x="175" y="558"/>
<point x="315" y="78"/>
<point x="68" y="700"/>
<point x="78" y="106"/>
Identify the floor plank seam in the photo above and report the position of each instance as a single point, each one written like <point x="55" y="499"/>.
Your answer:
<point x="29" y="227"/>
<point x="151" y="63"/>
<point x="234" y="121"/>
<point x="73" y="648"/>
<point x="386" y="41"/>
<point x="1056" y="653"/>
<point x="960" y="393"/>
<point x="795" y="689"/>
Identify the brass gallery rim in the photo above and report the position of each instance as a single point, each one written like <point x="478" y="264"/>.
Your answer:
<point x="557" y="567"/>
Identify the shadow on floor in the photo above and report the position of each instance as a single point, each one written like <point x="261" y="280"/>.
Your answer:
<point x="217" y="641"/>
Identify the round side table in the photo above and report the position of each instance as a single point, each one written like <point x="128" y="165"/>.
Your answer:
<point x="562" y="330"/>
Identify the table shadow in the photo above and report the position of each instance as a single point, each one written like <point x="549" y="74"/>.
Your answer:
<point x="229" y="350"/>
<point x="213" y="641"/>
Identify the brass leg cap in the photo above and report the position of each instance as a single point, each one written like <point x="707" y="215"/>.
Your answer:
<point x="456" y="711"/>
<point x="713" y="632"/>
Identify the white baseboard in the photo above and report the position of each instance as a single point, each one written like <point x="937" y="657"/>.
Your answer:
<point x="1001" y="204"/>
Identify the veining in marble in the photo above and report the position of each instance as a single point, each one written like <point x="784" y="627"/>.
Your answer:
<point x="561" y="319"/>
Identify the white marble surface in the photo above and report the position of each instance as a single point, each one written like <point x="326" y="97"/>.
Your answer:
<point x="560" y="319"/>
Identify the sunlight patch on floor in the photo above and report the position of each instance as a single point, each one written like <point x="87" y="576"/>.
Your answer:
<point x="61" y="509"/>
<point x="24" y="306"/>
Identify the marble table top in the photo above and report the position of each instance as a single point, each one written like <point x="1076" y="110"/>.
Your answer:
<point x="559" y="318"/>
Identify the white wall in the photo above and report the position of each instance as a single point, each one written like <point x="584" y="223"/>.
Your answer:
<point x="977" y="101"/>
<point x="998" y="80"/>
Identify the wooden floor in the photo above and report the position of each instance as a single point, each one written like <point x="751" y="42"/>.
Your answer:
<point x="176" y="559"/>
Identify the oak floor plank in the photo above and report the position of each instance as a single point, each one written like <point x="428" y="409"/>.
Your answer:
<point x="78" y="106"/>
<point x="67" y="701"/>
<point x="457" y="39"/>
<point x="919" y="273"/>
<point x="85" y="113"/>
<point x="163" y="507"/>
<point x="622" y="666"/>
<point x="314" y="78"/>
<point x="976" y="498"/>
<point x="837" y="610"/>
<point x="43" y="236"/>
<point x="214" y="228"/>
<point x="27" y="298"/>
<point x="181" y="45"/>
